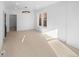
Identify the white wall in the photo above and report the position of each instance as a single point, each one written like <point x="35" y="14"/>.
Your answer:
<point x="25" y="21"/>
<point x="35" y="19"/>
<point x="57" y="20"/>
<point x="64" y="17"/>
<point x="56" y="15"/>
<point x="73" y="24"/>
<point x="1" y="25"/>
<point x="8" y="13"/>
<point x="7" y="21"/>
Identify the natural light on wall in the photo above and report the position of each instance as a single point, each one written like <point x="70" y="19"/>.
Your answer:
<point x="51" y="34"/>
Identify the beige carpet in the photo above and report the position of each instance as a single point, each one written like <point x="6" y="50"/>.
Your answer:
<point x="27" y="44"/>
<point x="33" y="44"/>
<point x="61" y="50"/>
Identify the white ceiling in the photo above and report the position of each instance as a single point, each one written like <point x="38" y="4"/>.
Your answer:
<point x="34" y="5"/>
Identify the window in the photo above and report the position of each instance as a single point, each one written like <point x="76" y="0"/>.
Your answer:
<point x="45" y="20"/>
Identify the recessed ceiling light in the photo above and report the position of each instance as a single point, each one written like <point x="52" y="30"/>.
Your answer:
<point x="17" y="3"/>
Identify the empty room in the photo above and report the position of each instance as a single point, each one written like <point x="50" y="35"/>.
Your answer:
<point x="39" y="28"/>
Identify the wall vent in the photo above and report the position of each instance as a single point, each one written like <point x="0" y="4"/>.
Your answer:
<point x="25" y="11"/>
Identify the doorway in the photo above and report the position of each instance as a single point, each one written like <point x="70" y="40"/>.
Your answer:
<point x="13" y="22"/>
